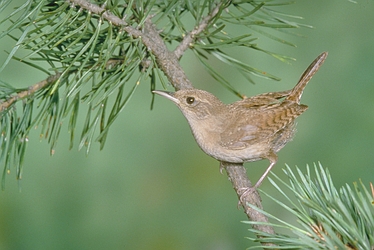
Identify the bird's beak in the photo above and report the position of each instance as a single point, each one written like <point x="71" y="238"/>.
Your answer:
<point x="168" y="95"/>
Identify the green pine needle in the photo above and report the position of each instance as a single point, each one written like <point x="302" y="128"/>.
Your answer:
<point x="328" y="218"/>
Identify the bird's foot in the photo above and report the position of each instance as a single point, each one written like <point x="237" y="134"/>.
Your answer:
<point x="245" y="191"/>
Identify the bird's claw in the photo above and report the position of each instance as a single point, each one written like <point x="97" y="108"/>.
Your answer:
<point x="245" y="191"/>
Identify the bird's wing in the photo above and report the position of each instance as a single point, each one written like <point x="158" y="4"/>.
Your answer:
<point x="263" y="99"/>
<point x="259" y="125"/>
<point x="239" y="136"/>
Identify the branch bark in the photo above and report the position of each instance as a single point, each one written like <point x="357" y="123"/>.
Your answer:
<point x="237" y="175"/>
<point x="166" y="60"/>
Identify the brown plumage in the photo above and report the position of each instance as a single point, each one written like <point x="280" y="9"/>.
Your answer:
<point x="247" y="130"/>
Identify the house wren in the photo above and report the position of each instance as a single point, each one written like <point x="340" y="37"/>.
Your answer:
<point x="248" y="130"/>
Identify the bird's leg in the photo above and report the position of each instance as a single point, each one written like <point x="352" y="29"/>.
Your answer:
<point x="273" y="158"/>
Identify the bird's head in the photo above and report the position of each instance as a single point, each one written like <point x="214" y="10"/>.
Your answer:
<point x="195" y="104"/>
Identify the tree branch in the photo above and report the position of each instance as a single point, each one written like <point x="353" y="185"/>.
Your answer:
<point x="237" y="175"/>
<point x="166" y="60"/>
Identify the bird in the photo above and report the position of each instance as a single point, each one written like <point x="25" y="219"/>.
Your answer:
<point x="247" y="130"/>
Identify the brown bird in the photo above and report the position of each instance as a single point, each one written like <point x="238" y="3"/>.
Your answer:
<point x="247" y="130"/>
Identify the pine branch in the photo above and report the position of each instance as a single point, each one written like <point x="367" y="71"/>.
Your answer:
<point x="29" y="92"/>
<point x="327" y="217"/>
<point x="190" y="37"/>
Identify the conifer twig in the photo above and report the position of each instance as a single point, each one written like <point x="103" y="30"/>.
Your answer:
<point x="189" y="38"/>
<point x="29" y="92"/>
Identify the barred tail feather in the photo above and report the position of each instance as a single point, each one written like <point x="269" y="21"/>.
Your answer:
<point x="297" y="91"/>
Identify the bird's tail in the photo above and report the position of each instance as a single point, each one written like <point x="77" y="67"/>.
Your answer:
<point x="297" y="91"/>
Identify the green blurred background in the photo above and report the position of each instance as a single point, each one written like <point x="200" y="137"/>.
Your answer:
<point x="152" y="188"/>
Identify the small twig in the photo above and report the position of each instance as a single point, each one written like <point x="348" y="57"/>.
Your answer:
<point x="30" y="91"/>
<point x="107" y="15"/>
<point x="42" y="84"/>
<point x="190" y="37"/>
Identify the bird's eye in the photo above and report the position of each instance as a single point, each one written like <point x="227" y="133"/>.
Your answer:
<point x="190" y="100"/>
